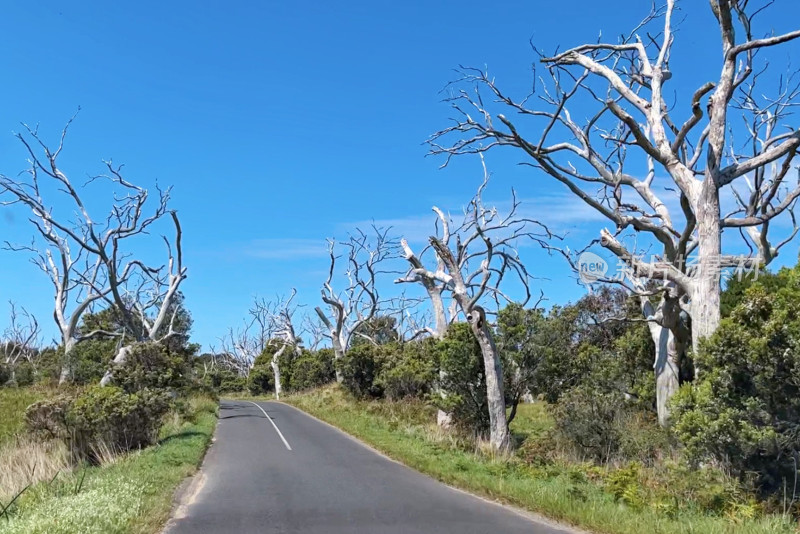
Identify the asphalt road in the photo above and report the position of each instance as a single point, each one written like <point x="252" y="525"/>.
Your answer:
<point x="328" y="483"/>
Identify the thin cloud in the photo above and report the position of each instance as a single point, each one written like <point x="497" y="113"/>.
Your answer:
<point x="558" y="211"/>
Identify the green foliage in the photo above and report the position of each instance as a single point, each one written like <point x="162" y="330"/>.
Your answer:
<point x="463" y="379"/>
<point x="393" y="370"/>
<point x="624" y="484"/>
<point x="359" y="368"/>
<point x="261" y="377"/>
<point x="524" y="342"/>
<point x="379" y="330"/>
<point x="590" y="419"/>
<point x="227" y="381"/>
<point x="153" y="366"/>
<point x="49" y="418"/>
<point x="13" y="402"/>
<point x="308" y="370"/>
<point x="125" y="497"/>
<point x="108" y="417"/>
<point x="100" y="419"/>
<point x="408" y="370"/>
<point x="744" y="413"/>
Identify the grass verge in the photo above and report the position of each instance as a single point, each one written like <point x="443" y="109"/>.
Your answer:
<point x="13" y="402"/>
<point x="402" y="431"/>
<point x="131" y="495"/>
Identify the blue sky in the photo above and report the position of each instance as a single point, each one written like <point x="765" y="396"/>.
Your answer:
<point x="281" y="124"/>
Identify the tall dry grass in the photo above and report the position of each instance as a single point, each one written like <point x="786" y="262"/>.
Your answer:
<point x="25" y="461"/>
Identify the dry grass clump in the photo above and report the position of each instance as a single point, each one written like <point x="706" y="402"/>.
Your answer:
<point x="25" y="461"/>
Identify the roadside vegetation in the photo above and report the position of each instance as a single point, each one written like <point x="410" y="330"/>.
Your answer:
<point x="588" y="449"/>
<point x="667" y="399"/>
<point x="85" y="458"/>
<point x="628" y="498"/>
<point x="120" y="493"/>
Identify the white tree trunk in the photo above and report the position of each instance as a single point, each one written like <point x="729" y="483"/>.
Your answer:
<point x="443" y="419"/>
<point x="669" y="337"/>
<point x="338" y="354"/>
<point x="119" y="359"/>
<point x="499" y="435"/>
<point x="705" y="297"/>
<point x="666" y="368"/>
<point x="276" y="369"/>
<point x="67" y="364"/>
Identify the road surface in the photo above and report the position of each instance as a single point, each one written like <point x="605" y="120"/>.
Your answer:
<point x="274" y="469"/>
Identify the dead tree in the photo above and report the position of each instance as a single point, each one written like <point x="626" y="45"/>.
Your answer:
<point x="244" y="344"/>
<point x="19" y="340"/>
<point x="652" y="166"/>
<point x="316" y="331"/>
<point x="472" y="262"/>
<point x="84" y="257"/>
<point x="359" y="301"/>
<point x="282" y="332"/>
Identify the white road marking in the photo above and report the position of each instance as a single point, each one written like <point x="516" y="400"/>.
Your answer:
<point x="278" y="430"/>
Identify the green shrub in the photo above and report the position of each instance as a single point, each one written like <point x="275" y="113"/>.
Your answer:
<point x="100" y="419"/>
<point x="744" y="413"/>
<point x="151" y="365"/>
<point x="310" y="369"/>
<point x="5" y="375"/>
<point x="407" y="370"/>
<point x="109" y="417"/>
<point x="260" y="378"/>
<point x="463" y="380"/>
<point x="589" y="419"/>
<point x="625" y="485"/>
<point x="49" y="418"/>
<point x="90" y="359"/>
<point x="229" y="382"/>
<point x="359" y="367"/>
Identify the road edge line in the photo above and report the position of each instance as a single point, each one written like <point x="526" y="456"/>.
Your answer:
<point x="278" y="430"/>
<point x="534" y="517"/>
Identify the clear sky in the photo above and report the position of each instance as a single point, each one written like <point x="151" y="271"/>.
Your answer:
<point x="282" y="123"/>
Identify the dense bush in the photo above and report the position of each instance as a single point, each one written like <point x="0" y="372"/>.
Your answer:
<point x="602" y="425"/>
<point x="108" y="418"/>
<point x="407" y="370"/>
<point x="5" y="374"/>
<point x="744" y="413"/>
<point x="391" y="370"/>
<point x="154" y="366"/>
<point x="20" y="375"/>
<point x="227" y="381"/>
<point x="359" y="367"/>
<point x="307" y="370"/>
<point x="261" y="377"/>
<point x="463" y="381"/>
<point x="100" y="420"/>
<point x="90" y="359"/>
<point x="49" y="418"/>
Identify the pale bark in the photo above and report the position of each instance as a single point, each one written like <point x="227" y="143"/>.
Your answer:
<point x="706" y="289"/>
<point x="84" y="257"/>
<point x="119" y="360"/>
<point x="633" y="149"/>
<point x="67" y="364"/>
<point x="276" y="370"/>
<point x="359" y="302"/>
<point x="471" y="262"/>
<point x="667" y="332"/>
<point x="499" y="434"/>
